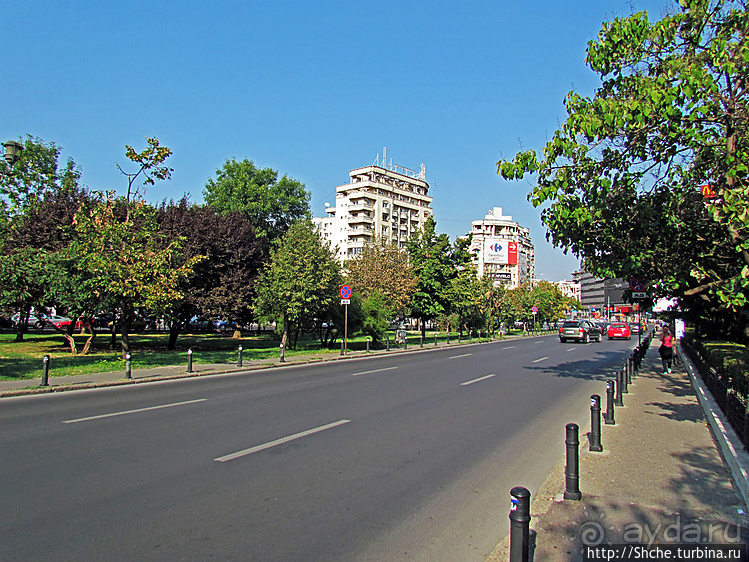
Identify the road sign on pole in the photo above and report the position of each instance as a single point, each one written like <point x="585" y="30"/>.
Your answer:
<point x="345" y="301"/>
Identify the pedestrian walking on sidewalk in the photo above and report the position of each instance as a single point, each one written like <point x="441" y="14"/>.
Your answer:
<point x="666" y="350"/>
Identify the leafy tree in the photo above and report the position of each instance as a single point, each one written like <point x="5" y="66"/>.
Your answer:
<point x="301" y="281"/>
<point x="377" y="314"/>
<point x="127" y="263"/>
<point x="270" y="204"/>
<point x="32" y="175"/>
<point x="384" y="269"/>
<point x="36" y="228"/>
<point x="435" y="263"/>
<point x="150" y="163"/>
<point x="465" y="294"/>
<point x="491" y="302"/>
<point x="25" y="276"/>
<point x="622" y="177"/>
<point x="222" y="284"/>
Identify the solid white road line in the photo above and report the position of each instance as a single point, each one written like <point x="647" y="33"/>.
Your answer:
<point x="373" y="371"/>
<point x="127" y="412"/>
<point x="281" y="441"/>
<point x="457" y="356"/>
<point x="477" y="380"/>
<point x="539" y="360"/>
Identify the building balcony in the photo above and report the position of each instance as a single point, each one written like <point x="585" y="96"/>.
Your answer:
<point x="360" y="205"/>
<point x="361" y="219"/>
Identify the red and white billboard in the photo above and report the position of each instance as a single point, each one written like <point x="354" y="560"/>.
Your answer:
<point x="500" y="251"/>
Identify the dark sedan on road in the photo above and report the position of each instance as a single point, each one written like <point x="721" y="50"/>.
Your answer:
<point x="579" y="330"/>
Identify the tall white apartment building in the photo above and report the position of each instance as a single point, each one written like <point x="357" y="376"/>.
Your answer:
<point x="389" y="202"/>
<point x="502" y="250"/>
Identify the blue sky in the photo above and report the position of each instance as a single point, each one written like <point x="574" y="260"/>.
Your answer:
<point x="311" y="89"/>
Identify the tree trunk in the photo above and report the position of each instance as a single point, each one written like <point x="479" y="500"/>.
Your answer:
<point x="127" y="318"/>
<point x="174" y="330"/>
<point x="88" y="325"/>
<point x="23" y="322"/>
<point x="113" y="330"/>
<point x="285" y="335"/>
<point x="296" y="335"/>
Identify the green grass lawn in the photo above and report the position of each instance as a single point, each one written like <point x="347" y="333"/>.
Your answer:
<point x="23" y="360"/>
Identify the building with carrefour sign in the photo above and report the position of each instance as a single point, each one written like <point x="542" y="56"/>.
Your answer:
<point x="502" y="250"/>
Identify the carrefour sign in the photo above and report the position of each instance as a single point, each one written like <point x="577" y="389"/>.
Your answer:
<point x="499" y="251"/>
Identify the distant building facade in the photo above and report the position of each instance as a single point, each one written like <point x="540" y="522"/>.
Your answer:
<point x="570" y="289"/>
<point x="602" y="296"/>
<point x="391" y="203"/>
<point x="502" y="250"/>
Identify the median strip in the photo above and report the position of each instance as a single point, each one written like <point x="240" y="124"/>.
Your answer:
<point x="128" y="412"/>
<point x="281" y="441"/>
<point x="477" y="380"/>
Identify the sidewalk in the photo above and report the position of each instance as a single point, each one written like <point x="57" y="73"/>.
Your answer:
<point x="663" y="476"/>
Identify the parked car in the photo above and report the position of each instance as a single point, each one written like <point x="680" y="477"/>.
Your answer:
<point x="39" y="322"/>
<point x="224" y="326"/>
<point x="59" y="321"/>
<point x="199" y="323"/>
<point x="619" y="330"/>
<point x="579" y="330"/>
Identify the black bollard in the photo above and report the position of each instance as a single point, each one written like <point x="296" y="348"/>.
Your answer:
<point x="128" y="366"/>
<point x="435" y="339"/>
<point x="387" y="348"/>
<point x="609" y="415"/>
<point x="625" y="379"/>
<point x="45" y="371"/>
<point x="189" y="360"/>
<point x="448" y="337"/>
<point x="520" y="518"/>
<point x="367" y="345"/>
<point x="239" y="356"/>
<point x="595" y="424"/>
<point x="421" y="341"/>
<point x="341" y="348"/>
<point x="629" y="371"/>
<point x="405" y="342"/>
<point x="283" y="358"/>
<point x="572" y="469"/>
<point x="619" y="384"/>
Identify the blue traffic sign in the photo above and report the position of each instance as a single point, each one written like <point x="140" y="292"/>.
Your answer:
<point x="345" y="292"/>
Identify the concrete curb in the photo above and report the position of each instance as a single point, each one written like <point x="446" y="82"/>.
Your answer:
<point x="729" y="444"/>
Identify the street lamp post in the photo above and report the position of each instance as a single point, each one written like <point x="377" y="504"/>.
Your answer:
<point x="13" y="151"/>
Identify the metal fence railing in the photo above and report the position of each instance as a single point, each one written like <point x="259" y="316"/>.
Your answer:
<point x="731" y="402"/>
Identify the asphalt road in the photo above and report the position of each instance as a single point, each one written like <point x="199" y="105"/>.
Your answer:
<point x="403" y="457"/>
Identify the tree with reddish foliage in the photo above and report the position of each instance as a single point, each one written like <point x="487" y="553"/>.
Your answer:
<point x="222" y="285"/>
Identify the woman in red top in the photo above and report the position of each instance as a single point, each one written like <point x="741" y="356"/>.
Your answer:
<point x="666" y="350"/>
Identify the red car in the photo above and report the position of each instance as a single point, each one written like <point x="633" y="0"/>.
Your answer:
<point x="619" y="330"/>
